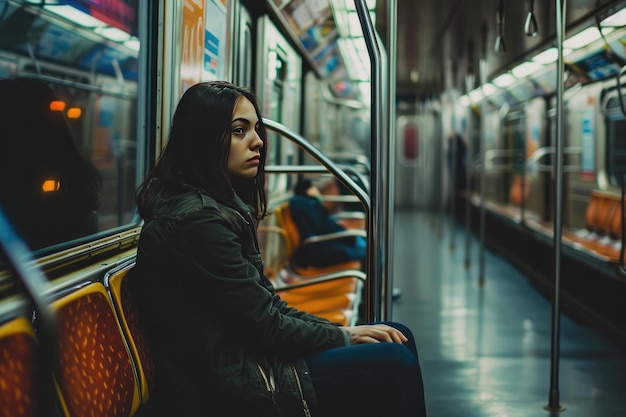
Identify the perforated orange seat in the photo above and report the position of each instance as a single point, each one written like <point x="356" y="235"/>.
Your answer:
<point x="316" y="305"/>
<point x="95" y="365"/>
<point x="116" y="282"/>
<point x="18" y="368"/>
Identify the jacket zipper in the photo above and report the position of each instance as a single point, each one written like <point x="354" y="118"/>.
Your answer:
<point x="249" y="222"/>
<point x="307" y="412"/>
<point x="270" y="385"/>
<point x="242" y="217"/>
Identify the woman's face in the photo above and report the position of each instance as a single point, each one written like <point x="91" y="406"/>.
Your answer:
<point x="245" y="143"/>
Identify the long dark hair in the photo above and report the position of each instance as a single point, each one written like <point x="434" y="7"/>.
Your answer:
<point x="197" y="150"/>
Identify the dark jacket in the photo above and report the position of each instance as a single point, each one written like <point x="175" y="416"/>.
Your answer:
<point x="312" y="219"/>
<point x="217" y="330"/>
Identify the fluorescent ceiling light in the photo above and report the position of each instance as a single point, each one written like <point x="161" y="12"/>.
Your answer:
<point x="133" y="43"/>
<point x="356" y="58"/>
<point x="113" y="33"/>
<point x="615" y="20"/>
<point x="585" y="37"/>
<point x="504" y="80"/>
<point x="488" y="89"/>
<point x="547" y="57"/>
<point x="476" y="95"/>
<point x="74" y="15"/>
<point x="355" y="25"/>
<point x="525" y="69"/>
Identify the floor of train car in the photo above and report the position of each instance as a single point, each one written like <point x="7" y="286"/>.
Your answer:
<point x="486" y="351"/>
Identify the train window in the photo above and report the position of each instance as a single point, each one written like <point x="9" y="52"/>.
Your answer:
<point x="69" y="119"/>
<point x="615" y="142"/>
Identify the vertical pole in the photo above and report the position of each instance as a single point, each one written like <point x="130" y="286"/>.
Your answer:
<point x="390" y="128"/>
<point x="553" y="402"/>
<point x="452" y="161"/>
<point x="483" y="179"/>
<point x="376" y="264"/>
<point x="468" y="172"/>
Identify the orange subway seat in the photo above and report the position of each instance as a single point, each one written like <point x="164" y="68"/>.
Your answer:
<point x="519" y="190"/>
<point x="344" y="317"/>
<point x="18" y="368"/>
<point x="96" y="368"/>
<point x="317" y="305"/>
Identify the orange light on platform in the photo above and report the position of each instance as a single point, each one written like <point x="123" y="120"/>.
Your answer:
<point x="74" y="112"/>
<point x="57" y="105"/>
<point x="50" y="186"/>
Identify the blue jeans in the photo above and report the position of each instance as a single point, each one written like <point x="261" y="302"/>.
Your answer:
<point x="369" y="380"/>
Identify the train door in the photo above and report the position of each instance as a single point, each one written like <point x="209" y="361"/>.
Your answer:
<point x="278" y="86"/>
<point x="418" y="175"/>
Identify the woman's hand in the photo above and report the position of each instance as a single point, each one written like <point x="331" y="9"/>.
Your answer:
<point x="374" y="333"/>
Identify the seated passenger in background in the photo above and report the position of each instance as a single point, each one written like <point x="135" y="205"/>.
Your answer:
<point x="312" y="219"/>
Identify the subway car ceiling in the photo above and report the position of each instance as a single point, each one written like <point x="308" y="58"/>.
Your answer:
<point x="440" y="43"/>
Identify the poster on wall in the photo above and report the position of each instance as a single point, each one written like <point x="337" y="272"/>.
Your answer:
<point x="192" y="43"/>
<point x="214" y="57"/>
<point x="312" y="26"/>
<point x="588" y="150"/>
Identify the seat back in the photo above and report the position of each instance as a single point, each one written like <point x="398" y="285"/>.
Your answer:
<point x="273" y="243"/>
<point x="18" y="368"/>
<point x="116" y="283"/>
<point x="519" y="191"/>
<point x="285" y="220"/>
<point x="96" y="371"/>
<point x="615" y="226"/>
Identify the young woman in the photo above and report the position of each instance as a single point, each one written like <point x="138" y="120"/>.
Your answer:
<point x="224" y="343"/>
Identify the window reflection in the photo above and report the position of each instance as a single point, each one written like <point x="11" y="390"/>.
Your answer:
<point x="68" y="125"/>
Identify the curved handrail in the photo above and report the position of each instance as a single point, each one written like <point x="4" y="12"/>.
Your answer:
<point x="544" y="151"/>
<point x="345" y="179"/>
<point x="320" y="157"/>
<point x="549" y="150"/>
<point x="310" y="169"/>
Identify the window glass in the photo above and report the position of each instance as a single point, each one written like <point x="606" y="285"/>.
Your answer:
<point x="68" y="118"/>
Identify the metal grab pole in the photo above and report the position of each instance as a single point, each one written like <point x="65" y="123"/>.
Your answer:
<point x="453" y="168"/>
<point x="483" y="183"/>
<point x="389" y="61"/>
<point x="377" y="221"/>
<point x="468" y="173"/>
<point x="553" y="402"/>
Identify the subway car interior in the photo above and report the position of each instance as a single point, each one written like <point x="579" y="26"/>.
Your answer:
<point x="478" y="147"/>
